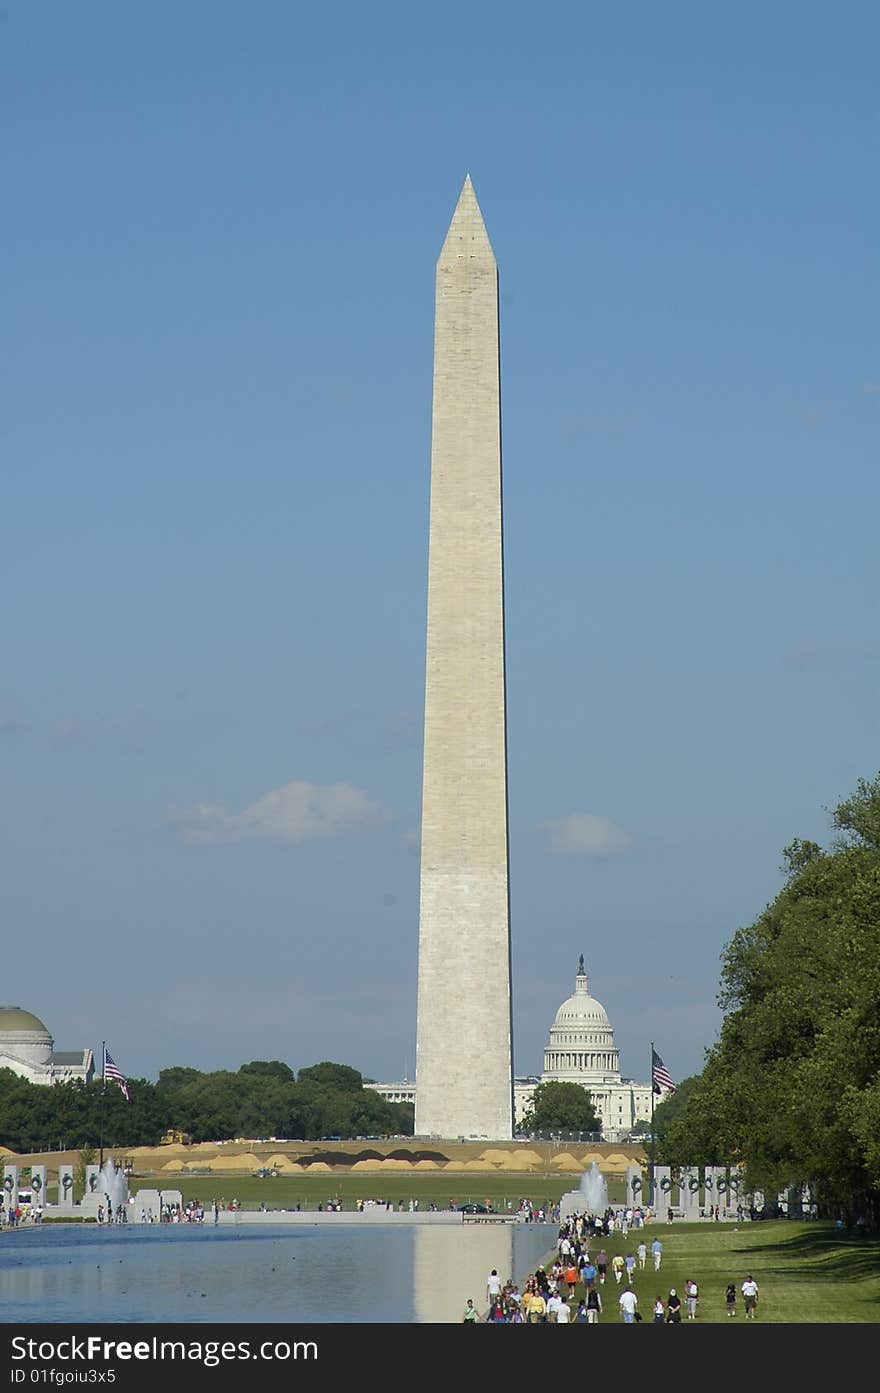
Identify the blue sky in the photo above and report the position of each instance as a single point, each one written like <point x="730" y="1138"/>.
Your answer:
<point x="220" y="229"/>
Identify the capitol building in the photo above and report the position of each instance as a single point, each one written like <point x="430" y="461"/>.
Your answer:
<point x="580" y="1050"/>
<point x="27" y="1048"/>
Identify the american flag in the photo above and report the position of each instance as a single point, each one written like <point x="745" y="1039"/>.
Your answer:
<point x="112" y="1072"/>
<point x="660" y="1075"/>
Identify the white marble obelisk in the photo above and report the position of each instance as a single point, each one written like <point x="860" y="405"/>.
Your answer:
<point x="464" y="1074"/>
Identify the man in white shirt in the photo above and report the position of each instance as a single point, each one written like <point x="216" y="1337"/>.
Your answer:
<point x="750" y="1296"/>
<point x="493" y="1287"/>
<point x="628" y="1303"/>
<point x="563" y="1312"/>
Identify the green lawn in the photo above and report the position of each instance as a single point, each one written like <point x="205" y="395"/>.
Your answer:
<point x="286" y="1191"/>
<point x="804" y="1271"/>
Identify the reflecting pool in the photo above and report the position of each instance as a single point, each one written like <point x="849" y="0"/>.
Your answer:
<point x="190" y="1273"/>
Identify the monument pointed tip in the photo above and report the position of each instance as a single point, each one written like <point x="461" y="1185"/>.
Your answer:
<point x="467" y="235"/>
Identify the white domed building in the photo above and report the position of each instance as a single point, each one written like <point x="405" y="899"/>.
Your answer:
<point x="581" y="1050"/>
<point x="27" y="1048"/>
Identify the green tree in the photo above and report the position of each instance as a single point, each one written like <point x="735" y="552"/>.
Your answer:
<point x="665" y="1113"/>
<point x="791" y="1087"/>
<point x="269" y="1068"/>
<point x="262" y="1099"/>
<point x="177" y="1077"/>
<point x="561" y="1107"/>
<point x="337" y="1076"/>
<point x="87" y="1157"/>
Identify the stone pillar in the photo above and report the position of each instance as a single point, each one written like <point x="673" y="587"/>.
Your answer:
<point x="92" y="1181"/>
<point x="38" y="1187"/>
<point x="147" y="1207"/>
<point x="10" y="1187"/>
<point x="663" y="1196"/>
<point x="65" y="1186"/>
<point x="690" y="1193"/>
<point x="710" y="1199"/>
<point x="636" y="1193"/>
<point x="729" y="1196"/>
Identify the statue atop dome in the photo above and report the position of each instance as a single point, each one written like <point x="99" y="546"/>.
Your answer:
<point x="581" y="968"/>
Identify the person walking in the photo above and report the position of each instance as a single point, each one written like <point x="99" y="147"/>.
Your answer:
<point x="673" y="1308"/>
<point x="537" y="1309"/>
<point x="629" y="1263"/>
<point x="554" y="1301"/>
<point x="730" y="1298"/>
<point x="617" y="1267"/>
<point x="750" y="1296"/>
<point x="594" y="1306"/>
<point x="628" y="1303"/>
<point x="471" y="1314"/>
<point x="659" y="1311"/>
<point x="602" y="1265"/>
<point x="657" y="1253"/>
<point x="691" y="1296"/>
<point x="642" y="1251"/>
<point x="493" y="1287"/>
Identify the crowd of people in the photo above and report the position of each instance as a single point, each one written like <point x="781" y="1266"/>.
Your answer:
<point x="13" y="1215"/>
<point x="579" y="1287"/>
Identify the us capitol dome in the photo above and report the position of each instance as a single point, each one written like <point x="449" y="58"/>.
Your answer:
<point x="581" y="1050"/>
<point x="27" y="1048"/>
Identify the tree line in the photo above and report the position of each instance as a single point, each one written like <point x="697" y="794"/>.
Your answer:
<point x="264" y="1098"/>
<point x="791" y="1089"/>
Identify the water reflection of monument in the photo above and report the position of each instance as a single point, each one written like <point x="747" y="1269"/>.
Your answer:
<point x="451" y="1264"/>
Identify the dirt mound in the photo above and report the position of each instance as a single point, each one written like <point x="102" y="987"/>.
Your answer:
<point x="566" y="1162"/>
<point x="527" y="1158"/>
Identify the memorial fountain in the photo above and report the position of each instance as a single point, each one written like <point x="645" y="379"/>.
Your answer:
<point x="107" y="1188"/>
<point x="591" y="1196"/>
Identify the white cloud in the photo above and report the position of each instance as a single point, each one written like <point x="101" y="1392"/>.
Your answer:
<point x="298" y="812"/>
<point x="586" y="834"/>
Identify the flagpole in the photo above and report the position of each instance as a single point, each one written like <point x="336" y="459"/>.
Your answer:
<point x="101" y="1105"/>
<point x="653" y="1155"/>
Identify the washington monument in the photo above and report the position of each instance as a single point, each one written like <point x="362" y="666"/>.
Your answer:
<point x="464" y="1072"/>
